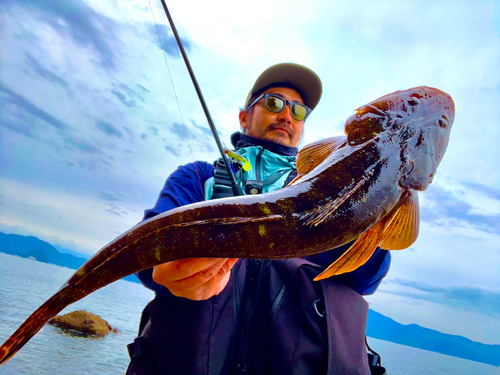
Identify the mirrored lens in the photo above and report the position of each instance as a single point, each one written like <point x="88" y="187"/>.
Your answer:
<point x="299" y="112"/>
<point x="275" y="103"/>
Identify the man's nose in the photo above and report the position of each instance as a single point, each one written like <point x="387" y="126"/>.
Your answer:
<point x="285" y="114"/>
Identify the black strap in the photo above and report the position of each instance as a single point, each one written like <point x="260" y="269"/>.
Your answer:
<point x="290" y="177"/>
<point x="140" y="345"/>
<point x="138" y="348"/>
<point x="374" y="361"/>
<point x="222" y="183"/>
<point x="270" y="179"/>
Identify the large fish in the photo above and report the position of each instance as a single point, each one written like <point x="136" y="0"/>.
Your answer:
<point x="359" y="187"/>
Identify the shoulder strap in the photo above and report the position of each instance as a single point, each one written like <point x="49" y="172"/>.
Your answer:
<point x="290" y="177"/>
<point x="222" y="182"/>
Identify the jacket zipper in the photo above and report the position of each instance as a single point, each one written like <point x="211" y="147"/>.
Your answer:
<point x="277" y="302"/>
<point x="257" y="165"/>
<point x="249" y="327"/>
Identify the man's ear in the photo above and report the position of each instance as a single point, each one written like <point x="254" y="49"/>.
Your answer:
<point x="243" y="119"/>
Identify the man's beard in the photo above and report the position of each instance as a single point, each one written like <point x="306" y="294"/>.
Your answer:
<point x="281" y="137"/>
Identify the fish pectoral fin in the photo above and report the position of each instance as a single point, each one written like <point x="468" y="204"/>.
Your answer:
<point x="396" y="232"/>
<point x="357" y="255"/>
<point x="401" y="229"/>
<point x="312" y="155"/>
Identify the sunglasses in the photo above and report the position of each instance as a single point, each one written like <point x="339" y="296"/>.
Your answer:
<point x="276" y="104"/>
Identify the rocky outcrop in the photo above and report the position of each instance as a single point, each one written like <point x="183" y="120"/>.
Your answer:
<point x="84" y="322"/>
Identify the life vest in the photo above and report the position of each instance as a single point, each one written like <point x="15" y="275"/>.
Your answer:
<point x="268" y="172"/>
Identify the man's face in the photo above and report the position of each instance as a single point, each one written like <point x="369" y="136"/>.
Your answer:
<point x="280" y="127"/>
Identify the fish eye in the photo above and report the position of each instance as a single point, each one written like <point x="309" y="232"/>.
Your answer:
<point x="443" y="122"/>
<point x="413" y="101"/>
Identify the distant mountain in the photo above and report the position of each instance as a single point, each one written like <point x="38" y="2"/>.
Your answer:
<point x="29" y="246"/>
<point x="384" y="328"/>
<point x="74" y="253"/>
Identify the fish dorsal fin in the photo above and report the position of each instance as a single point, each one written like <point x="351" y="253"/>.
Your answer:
<point x="401" y="229"/>
<point x="313" y="154"/>
<point x="357" y="255"/>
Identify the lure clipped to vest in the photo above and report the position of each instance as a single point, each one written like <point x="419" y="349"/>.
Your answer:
<point x="360" y="187"/>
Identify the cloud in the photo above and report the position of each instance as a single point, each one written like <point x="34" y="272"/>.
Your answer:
<point x="472" y="297"/>
<point x="22" y="103"/>
<point x="127" y="95"/>
<point x="130" y="132"/>
<point x="83" y="146"/>
<point x="94" y="164"/>
<point x="108" y="128"/>
<point x="203" y="129"/>
<point x="47" y="74"/>
<point x="485" y="190"/>
<point x="22" y="116"/>
<point x="112" y="196"/>
<point x="167" y="41"/>
<point x="123" y="98"/>
<point x="77" y="20"/>
<point x="446" y="209"/>
<point x="172" y="150"/>
<point x="143" y="88"/>
<point x="154" y="129"/>
<point x="204" y="142"/>
<point x="115" y="210"/>
<point x="182" y="131"/>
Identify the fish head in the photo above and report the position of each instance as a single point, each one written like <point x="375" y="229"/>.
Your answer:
<point x="418" y="120"/>
<point x="424" y="138"/>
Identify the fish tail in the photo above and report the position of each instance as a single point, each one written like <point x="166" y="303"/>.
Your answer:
<point x="30" y="327"/>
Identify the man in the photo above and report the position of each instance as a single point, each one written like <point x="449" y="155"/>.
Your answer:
<point x="230" y="316"/>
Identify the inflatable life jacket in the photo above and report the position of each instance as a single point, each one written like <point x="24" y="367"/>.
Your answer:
<point x="266" y="172"/>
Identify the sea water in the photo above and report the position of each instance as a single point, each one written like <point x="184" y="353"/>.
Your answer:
<point x="25" y="284"/>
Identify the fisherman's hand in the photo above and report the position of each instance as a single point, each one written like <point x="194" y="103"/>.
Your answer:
<point x="194" y="279"/>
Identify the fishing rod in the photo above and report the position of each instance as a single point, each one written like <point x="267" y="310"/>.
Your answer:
<point x="234" y="185"/>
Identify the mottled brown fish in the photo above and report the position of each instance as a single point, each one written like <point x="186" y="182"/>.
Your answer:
<point x="362" y="186"/>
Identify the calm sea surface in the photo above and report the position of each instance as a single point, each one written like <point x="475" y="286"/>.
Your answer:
<point x="26" y="284"/>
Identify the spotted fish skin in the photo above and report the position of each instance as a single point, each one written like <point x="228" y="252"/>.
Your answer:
<point x="361" y="186"/>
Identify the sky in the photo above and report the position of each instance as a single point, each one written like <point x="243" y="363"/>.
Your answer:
<point x="96" y="112"/>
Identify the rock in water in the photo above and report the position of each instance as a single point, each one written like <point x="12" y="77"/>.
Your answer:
<point x="82" y="321"/>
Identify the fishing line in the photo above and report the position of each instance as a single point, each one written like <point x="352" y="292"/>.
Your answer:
<point x="236" y="188"/>
<point x="175" y="93"/>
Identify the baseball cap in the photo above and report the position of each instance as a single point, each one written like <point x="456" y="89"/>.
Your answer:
<point x="304" y="80"/>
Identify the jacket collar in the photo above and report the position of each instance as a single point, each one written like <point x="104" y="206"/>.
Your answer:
<point x="240" y="140"/>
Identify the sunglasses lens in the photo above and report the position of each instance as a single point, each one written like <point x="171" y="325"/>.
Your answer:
<point x="299" y="112"/>
<point x="275" y="104"/>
